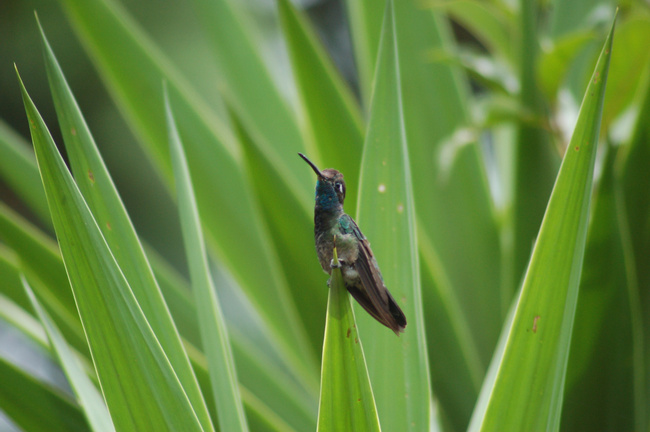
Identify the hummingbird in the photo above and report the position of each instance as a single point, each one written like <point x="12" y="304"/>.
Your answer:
<point x="361" y="275"/>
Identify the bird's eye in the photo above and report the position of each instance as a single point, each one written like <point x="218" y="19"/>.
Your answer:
<point x="338" y="187"/>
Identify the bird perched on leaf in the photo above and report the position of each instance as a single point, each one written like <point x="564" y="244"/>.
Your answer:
<point x="361" y="275"/>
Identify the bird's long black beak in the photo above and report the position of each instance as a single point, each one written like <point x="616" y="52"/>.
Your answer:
<point x="311" y="164"/>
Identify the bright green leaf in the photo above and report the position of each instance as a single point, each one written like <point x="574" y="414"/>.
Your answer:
<point x="123" y="346"/>
<point x="132" y="65"/>
<point x="529" y="383"/>
<point x="88" y="396"/>
<point x="346" y="400"/>
<point x="100" y="194"/>
<point x="398" y="367"/>
<point x="214" y="334"/>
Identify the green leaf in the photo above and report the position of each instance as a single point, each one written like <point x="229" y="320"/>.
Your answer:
<point x="325" y="97"/>
<point x="263" y="377"/>
<point x="246" y="84"/>
<point x="453" y="203"/>
<point x="88" y="396"/>
<point x="535" y="160"/>
<point x="555" y="60"/>
<point x="490" y="22"/>
<point x="11" y="287"/>
<point x="346" y="400"/>
<point x="397" y="366"/>
<point x="214" y="334"/>
<point x="123" y="346"/>
<point x="100" y="194"/>
<point x="18" y="169"/>
<point x="131" y="64"/>
<point x="627" y="71"/>
<point x="36" y="406"/>
<point x="41" y="262"/>
<point x="290" y="222"/>
<point x="365" y="18"/>
<point x="530" y="380"/>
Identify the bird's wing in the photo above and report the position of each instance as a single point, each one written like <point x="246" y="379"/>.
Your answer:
<point x="374" y="298"/>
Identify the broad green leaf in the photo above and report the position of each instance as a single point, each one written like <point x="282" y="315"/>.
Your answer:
<point x="398" y="366"/>
<point x="88" y="396"/>
<point x="36" y="406"/>
<point x="18" y="169"/>
<point x="131" y="64"/>
<point x="453" y="203"/>
<point x="214" y="333"/>
<point x="346" y="400"/>
<point x="530" y="380"/>
<point x="603" y="363"/>
<point x="332" y="116"/>
<point x="100" y="194"/>
<point x="123" y="346"/>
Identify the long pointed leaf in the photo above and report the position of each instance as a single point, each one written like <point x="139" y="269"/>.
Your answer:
<point x="122" y="344"/>
<point x="89" y="397"/>
<point x="211" y="322"/>
<point x="96" y="185"/>
<point x="397" y="366"/>
<point x="529" y="383"/>
<point x="131" y="64"/>
<point x="346" y="400"/>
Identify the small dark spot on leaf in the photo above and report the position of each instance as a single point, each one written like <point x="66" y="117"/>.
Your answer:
<point x="356" y="340"/>
<point x="73" y="131"/>
<point x="577" y="148"/>
<point x="535" y="323"/>
<point x="91" y="176"/>
<point x="108" y="225"/>
<point x="359" y="400"/>
<point x="349" y="330"/>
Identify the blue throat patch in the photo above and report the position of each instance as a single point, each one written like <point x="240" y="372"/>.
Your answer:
<point x="326" y="197"/>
